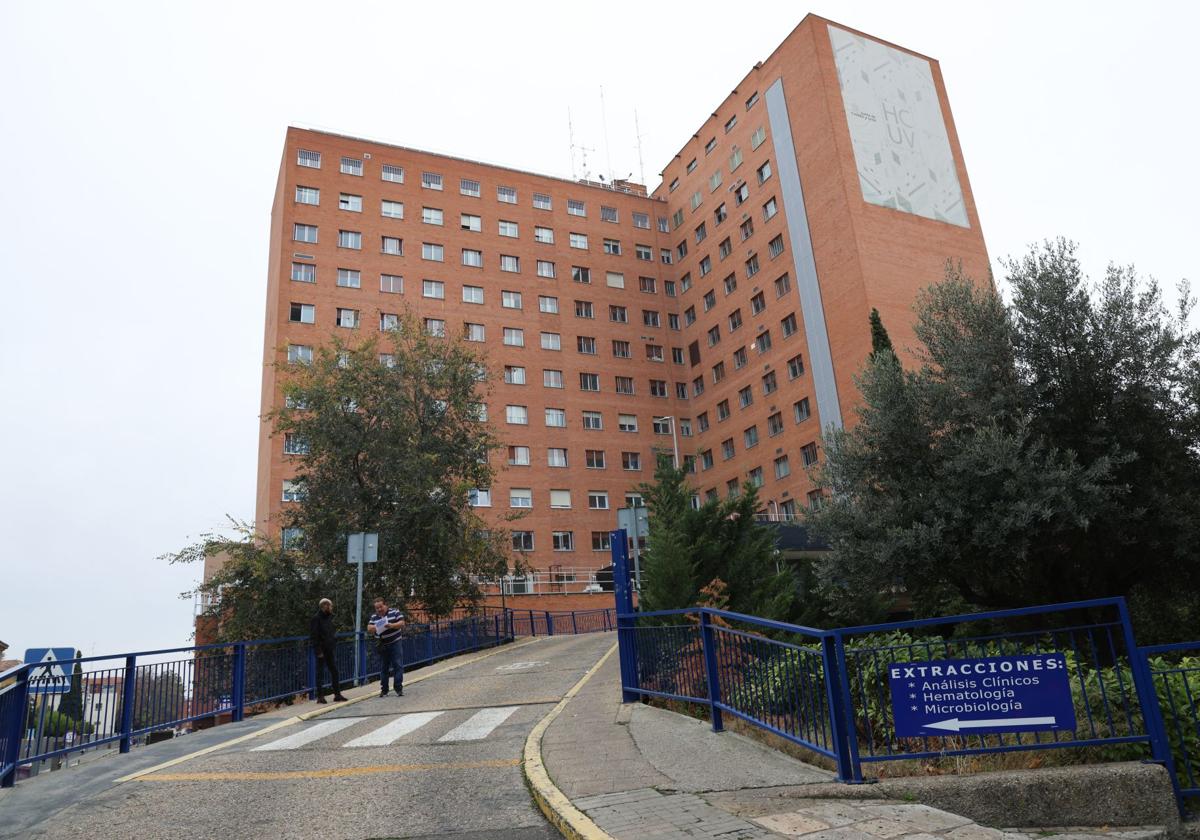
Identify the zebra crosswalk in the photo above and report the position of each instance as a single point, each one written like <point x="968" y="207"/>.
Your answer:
<point x="476" y="727"/>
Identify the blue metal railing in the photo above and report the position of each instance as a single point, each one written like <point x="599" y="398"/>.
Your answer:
<point x="1174" y="672"/>
<point x="124" y="698"/>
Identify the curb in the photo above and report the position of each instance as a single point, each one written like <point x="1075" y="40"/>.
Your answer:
<point x="553" y="803"/>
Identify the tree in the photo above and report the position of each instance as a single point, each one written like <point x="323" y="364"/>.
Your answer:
<point x="669" y="573"/>
<point x="71" y="704"/>
<point x="881" y="342"/>
<point x="999" y="472"/>
<point x="393" y="444"/>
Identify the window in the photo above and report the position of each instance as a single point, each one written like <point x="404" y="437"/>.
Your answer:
<point x="658" y="388"/>
<point x="756" y="477"/>
<point x="510" y="263"/>
<point x="644" y="252"/>
<point x="783" y="285"/>
<point x="347" y="318"/>
<point x="581" y="274"/>
<point x="641" y="220"/>
<point x="430" y="251"/>
<point x="673" y="321"/>
<point x="435" y="327"/>
<point x="601" y="541"/>
<point x="431" y="181"/>
<point x="510" y="300"/>
<point x="433" y="289"/>
<point x="782" y="467"/>
<point x="518" y="456"/>
<point x="293" y="491"/>
<point x="735" y="158"/>
<point x="349" y="278"/>
<point x="353" y="203"/>
<point x="747" y="229"/>
<point x="727" y="449"/>
<point x="593" y="421"/>
<point x="808" y="454"/>
<point x="586" y="344"/>
<point x="560" y="499"/>
<point x="594" y="459"/>
<point x="556" y="418"/>
<point x="665" y="255"/>
<point x="800" y="410"/>
<point x="614" y="279"/>
<point x="303" y="313"/>
<point x="677" y="219"/>
<point x="706" y="459"/>
<point x="654" y="352"/>
<point x="714" y="335"/>
<point x="431" y="216"/>
<point x="718" y="372"/>
<point x="514" y="375"/>
<point x="306" y="158"/>
<point x="721" y="214"/>
<point x="392" y="245"/>
<point x="795" y="366"/>
<point x="473" y="332"/>
<point x="663" y="225"/>
<point x="677" y="355"/>
<point x="522" y="540"/>
<point x="468" y="187"/>
<point x="613" y="247"/>
<point x="576" y="208"/>
<point x="304" y="233"/>
<point x="702" y="421"/>
<point x="548" y="304"/>
<point x="393" y="173"/>
<point x="769" y="383"/>
<point x="517" y="415"/>
<point x="739" y="358"/>
<point x="304" y="273"/>
<point x="722" y="410"/>
<point x="763" y="343"/>
<point x="788" y="325"/>
<point x="770" y="209"/>
<point x="544" y="235"/>
<point x="757" y="138"/>
<point x="308" y="195"/>
<point x="520" y="497"/>
<point x="674" y="185"/>
<point x="631" y="460"/>
<point x="816" y="500"/>
<point x="542" y="201"/>
<point x="689" y="316"/>
<point x="774" y="424"/>
<point x="775" y="246"/>
<point x="624" y="384"/>
<point x="352" y="166"/>
<point x="472" y="294"/>
<point x="584" y="309"/>
<point x="697" y="386"/>
<point x="545" y="268"/>
<point x="619" y="314"/>
<point x="563" y="540"/>
<point x="681" y="249"/>
<point x="514" y="337"/>
<point x="705" y="266"/>
<point x="508" y="195"/>
<point x="472" y="258"/>
<point x="551" y="341"/>
<point x="552" y="379"/>
<point x="480" y="498"/>
<point x="691" y="166"/>
<point x="556" y="457"/>
<point x="647" y="285"/>
<point x="741" y="194"/>
<point x="662" y="425"/>
<point x="507" y="228"/>
<point x="627" y="422"/>
<point x="608" y="214"/>
<point x="732" y="488"/>
<point x="589" y="382"/>
<point x="758" y="303"/>
<point x="650" y="318"/>
<point x="597" y="500"/>
<point x="714" y="182"/>
<point x="392" y="209"/>
<point x="669" y="288"/>
<point x="745" y="397"/>
<point x="578" y="240"/>
<point x="750" y="437"/>
<point x="620" y="349"/>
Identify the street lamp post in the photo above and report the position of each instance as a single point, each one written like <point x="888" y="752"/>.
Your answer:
<point x="674" y="438"/>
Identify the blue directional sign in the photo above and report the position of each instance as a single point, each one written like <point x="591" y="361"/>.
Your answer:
<point x="1026" y="693"/>
<point x="49" y="674"/>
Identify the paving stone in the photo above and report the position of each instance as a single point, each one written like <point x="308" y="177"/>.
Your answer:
<point x="975" y="832"/>
<point x="836" y="813"/>
<point x="886" y="828"/>
<point x="921" y="817"/>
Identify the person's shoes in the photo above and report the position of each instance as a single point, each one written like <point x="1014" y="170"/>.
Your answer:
<point x="400" y="691"/>
<point x="337" y="698"/>
<point x="383" y="694"/>
<point x="322" y="700"/>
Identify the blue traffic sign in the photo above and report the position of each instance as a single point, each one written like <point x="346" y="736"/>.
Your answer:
<point x="1026" y="693"/>
<point x="49" y="674"/>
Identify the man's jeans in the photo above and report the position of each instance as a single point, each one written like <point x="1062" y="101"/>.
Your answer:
<point x="391" y="658"/>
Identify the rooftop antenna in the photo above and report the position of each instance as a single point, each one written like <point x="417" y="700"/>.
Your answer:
<point x="641" y="166"/>
<point x="604" y="122"/>
<point x="582" y="149"/>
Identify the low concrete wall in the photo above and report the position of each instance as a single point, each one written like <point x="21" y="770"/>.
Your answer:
<point x="1124" y="794"/>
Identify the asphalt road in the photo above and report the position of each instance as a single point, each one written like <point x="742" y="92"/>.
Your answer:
<point x="442" y="761"/>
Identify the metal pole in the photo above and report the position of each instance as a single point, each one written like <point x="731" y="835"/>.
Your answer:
<point x="357" y="616"/>
<point x="675" y="442"/>
<point x="637" y="555"/>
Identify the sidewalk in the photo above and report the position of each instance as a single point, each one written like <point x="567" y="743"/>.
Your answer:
<point x="635" y="772"/>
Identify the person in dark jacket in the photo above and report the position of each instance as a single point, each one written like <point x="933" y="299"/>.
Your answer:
<point x="324" y="640"/>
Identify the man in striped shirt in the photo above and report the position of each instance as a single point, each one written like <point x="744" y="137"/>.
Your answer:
<point x="387" y="625"/>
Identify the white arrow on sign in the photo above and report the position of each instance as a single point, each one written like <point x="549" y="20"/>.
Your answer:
<point x="955" y="725"/>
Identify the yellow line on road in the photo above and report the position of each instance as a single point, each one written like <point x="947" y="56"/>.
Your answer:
<point x="332" y="773"/>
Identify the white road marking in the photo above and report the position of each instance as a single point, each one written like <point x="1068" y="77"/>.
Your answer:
<point x="313" y="733"/>
<point x="393" y="730"/>
<point x="480" y="724"/>
<point x="520" y="666"/>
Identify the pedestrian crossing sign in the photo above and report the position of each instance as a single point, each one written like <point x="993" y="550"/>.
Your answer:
<point x="50" y="671"/>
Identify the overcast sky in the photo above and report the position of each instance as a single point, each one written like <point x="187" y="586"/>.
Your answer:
<point x="140" y="145"/>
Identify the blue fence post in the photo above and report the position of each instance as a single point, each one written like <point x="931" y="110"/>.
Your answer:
<point x="312" y="673"/>
<point x="549" y="624"/>
<point x="429" y="640"/>
<point x="626" y="623"/>
<point x="16" y="728"/>
<point x="574" y="624"/>
<point x="845" y="740"/>
<point x="239" y="681"/>
<point x="361" y="676"/>
<point x="453" y="639"/>
<point x="496" y="622"/>
<point x="128" y="697"/>
<point x="532" y="626"/>
<point x="712" y="672"/>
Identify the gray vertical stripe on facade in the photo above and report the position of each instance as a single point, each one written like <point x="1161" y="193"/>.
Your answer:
<point x="820" y="361"/>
